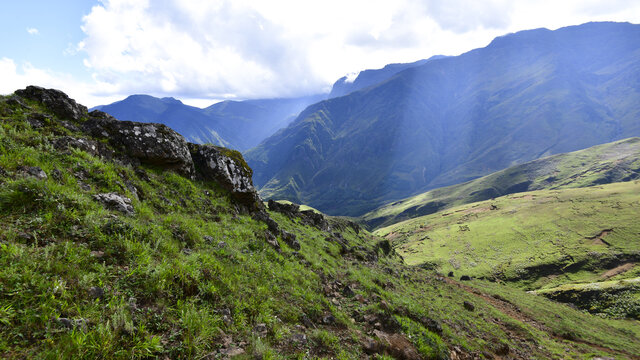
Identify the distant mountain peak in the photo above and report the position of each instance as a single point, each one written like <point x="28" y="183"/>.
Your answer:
<point x="359" y="80"/>
<point x="171" y="100"/>
<point x="230" y="123"/>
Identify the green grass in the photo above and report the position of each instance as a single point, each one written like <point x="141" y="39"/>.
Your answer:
<point x="542" y="238"/>
<point x="612" y="162"/>
<point x="562" y="320"/>
<point x="616" y="298"/>
<point x="187" y="275"/>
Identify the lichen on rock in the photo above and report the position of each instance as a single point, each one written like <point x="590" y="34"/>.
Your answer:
<point x="55" y="100"/>
<point x="150" y="143"/>
<point x="113" y="201"/>
<point x="228" y="168"/>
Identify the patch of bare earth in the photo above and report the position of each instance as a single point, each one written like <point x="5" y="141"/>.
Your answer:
<point x="526" y="197"/>
<point x="599" y="239"/>
<point x="392" y="236"/>
<point x="476" y="210"/>
<point x="617" y="270"/>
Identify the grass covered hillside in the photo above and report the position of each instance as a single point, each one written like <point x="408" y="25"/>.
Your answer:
<point x="534" y="240"/>
<point x="602" y="164"/>
<point x="118" y="240"/>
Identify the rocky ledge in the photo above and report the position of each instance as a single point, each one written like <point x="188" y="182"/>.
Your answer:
<point x="147" y="143"/>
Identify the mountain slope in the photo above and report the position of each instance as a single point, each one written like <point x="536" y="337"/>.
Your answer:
<point x="536" y="240"/>
<point x="602" y="164"/>
<point x="114" y="249"/>
<point x="524" y="96"/>
<point x="237" y="124"/>
<point x="249" y="122"/>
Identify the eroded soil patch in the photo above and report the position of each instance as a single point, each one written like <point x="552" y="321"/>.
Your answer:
<point x="599" y="239"/>
<point x="617" y="270"/>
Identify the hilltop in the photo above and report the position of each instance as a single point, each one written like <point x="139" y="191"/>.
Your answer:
<point x="119" y="239"/>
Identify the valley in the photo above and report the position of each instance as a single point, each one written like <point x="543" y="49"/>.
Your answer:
<point x="543" y="240"/>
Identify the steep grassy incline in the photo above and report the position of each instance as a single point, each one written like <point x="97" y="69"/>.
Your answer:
<point x="539" y="239"/>
<point x="105" y="256"/>
<point x="602" y="164"/>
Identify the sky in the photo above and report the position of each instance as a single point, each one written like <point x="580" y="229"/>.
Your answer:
<point x="203" y="51"/>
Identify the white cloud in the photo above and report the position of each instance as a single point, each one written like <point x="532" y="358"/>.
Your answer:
<point x="209" y="49"/>
<point x="16" y="77"/>
<point x="351" y="77"/>
<point x="204" y="49"/>
<point x="463" y="16"/>
<point x="32" y="31"/>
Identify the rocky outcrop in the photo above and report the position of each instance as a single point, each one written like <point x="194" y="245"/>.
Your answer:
<point x="154" y="144"/>
<point x="55" y="100"/>
<point x="396" y="345"/>
<point x="66" y="143"/>
<point x="147" y="143"/>
<point x="228" y="168"/>
<point x="308" y="217"/>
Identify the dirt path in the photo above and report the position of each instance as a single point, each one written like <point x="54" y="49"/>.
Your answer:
<point x="514" y="312"/>
<point x="503" y="305"/>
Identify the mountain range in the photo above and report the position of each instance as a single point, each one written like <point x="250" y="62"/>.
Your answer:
<point x="140" y="244"/>
<point x="239" y="124"/>
<point x="236" y="124"/>
<point x="449" y="120"/>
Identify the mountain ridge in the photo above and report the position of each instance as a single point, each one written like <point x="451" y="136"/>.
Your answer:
<point x="236" y="124"/>
<point x="455" y="119"/>
<point x="241" y="124"/>
<point x="601" y="164"/>
<point x="370" y="77"/>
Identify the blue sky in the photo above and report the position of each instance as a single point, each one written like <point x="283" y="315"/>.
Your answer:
<point x="202" y="51"/>
<point x="55" y="30"/>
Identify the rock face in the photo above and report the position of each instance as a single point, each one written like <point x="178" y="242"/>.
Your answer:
<point x="226" y="167"/>
<point x="57" y="101"/>
<point x="65" y="143"/>
<point x="32" y="171"/>
<point x="154" y="144"/>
